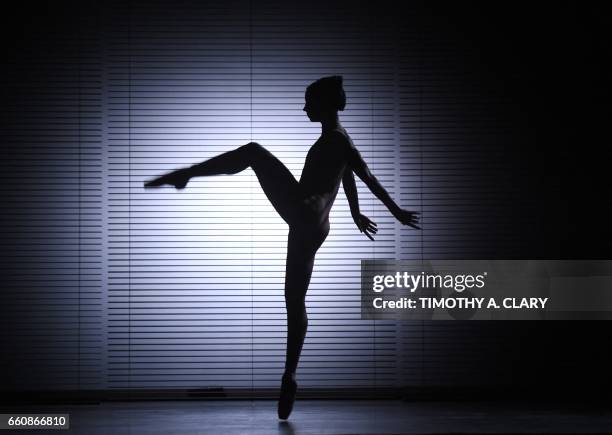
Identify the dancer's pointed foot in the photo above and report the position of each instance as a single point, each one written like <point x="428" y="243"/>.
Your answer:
<point x="287" y="396"/>
<point x="178" y="179"/>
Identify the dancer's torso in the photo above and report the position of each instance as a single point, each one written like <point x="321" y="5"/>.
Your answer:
<point x="321" y="177"/>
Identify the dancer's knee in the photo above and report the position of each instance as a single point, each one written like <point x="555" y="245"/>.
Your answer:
<point x="258" y="156"/>
<point x="298" y="323"/>
<point x="245" y="156"/>
<point x="253" y="150"/>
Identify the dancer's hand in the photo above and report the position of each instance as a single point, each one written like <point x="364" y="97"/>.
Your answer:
<point x="408" y="217"/>
<point x="178" y="179"/>
<point x="365" y="225"/>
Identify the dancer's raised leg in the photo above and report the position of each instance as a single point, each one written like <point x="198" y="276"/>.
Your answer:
<point x="277" y="182"/>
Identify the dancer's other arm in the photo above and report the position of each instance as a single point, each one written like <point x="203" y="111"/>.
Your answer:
<point x="359" y="166"/>
<point x="364" y="224"/>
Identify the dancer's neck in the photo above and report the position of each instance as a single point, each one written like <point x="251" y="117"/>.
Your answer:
<point x="329" y="124"/>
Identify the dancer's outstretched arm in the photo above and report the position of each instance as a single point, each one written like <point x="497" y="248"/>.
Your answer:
<point x="359" y="166"/>
<point x="364" y="224"/>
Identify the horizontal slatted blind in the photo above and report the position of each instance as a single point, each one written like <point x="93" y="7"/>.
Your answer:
<point x="196" y="276"/>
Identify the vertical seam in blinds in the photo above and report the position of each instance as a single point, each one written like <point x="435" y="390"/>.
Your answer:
<point x="251" y="185"/>
<point x="78" y="68"/>
<point x="372" y="144"/>
<point x="129" y="181"/>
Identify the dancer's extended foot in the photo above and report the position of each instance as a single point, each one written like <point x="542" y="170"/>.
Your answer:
<point x="287" y="396"/>
<point x="178" y="179"/>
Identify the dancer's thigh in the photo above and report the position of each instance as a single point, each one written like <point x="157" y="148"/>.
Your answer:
<point x="302" y="246"/>
<point x="277" y="182"/>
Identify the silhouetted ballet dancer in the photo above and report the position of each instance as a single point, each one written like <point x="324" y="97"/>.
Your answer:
<point x="304" y="205"/>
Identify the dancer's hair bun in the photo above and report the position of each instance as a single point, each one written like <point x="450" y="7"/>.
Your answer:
<point x="329" y="92"/>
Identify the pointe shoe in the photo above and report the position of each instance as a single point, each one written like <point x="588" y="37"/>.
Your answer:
<point x="178" y="180"/>
<point x="156" y="182"/>
<point x="287" y="397"/>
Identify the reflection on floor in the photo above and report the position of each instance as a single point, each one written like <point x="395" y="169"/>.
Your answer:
<point x="229" y="417"/>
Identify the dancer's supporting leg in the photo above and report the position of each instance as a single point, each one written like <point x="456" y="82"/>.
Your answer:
<point x="301" y="249"/>
<point x="298" y="272"/>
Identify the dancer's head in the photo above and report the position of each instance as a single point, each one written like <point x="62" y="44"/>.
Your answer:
<point x="324" y="98"/>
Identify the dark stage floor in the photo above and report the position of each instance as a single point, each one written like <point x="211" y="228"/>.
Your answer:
<point x="229" y="417"/>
